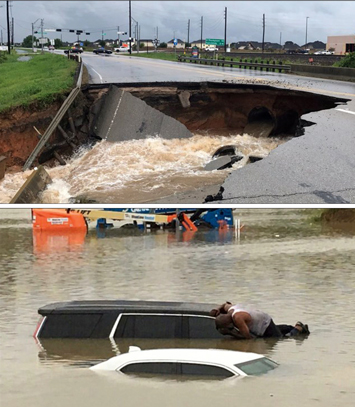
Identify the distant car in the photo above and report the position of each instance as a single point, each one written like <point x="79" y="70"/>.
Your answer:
<point x="319" y="52"/>
<point x="73" y="50"/>
<point x="122" y="49"/>
<point x="51" y="48"/>
<point x="101" y="51"/>
<point x="327" y="53"/>
<point x="204" y="363"/>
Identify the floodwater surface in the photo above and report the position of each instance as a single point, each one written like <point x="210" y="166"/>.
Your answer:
<point x="284" y="263"/>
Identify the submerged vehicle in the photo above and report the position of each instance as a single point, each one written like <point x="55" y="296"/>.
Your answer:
<point x="126" y="319"/>
<point x="204" y="363"/>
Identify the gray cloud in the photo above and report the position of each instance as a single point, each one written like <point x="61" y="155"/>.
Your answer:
<point x="171" y="18"/>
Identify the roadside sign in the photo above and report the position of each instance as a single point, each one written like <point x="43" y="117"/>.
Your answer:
<point x="175" y="42"/>
<point x="81" y="44"/>
<point x="212" y="41"/>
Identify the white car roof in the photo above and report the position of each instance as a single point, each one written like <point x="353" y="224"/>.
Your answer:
<point x="210" y="356"/>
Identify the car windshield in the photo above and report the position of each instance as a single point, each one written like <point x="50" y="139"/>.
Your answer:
<point x="257" y="367"/>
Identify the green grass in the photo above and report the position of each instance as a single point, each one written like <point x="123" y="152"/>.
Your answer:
<point x="167" y="56"/>
<point x="40" y="80"/>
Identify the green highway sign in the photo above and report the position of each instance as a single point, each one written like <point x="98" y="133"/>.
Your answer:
<point x="211" y="41"/>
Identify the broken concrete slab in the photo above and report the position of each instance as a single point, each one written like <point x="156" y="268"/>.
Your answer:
<point x="259" y="129"/>
<point x="184" y="98"/>
<point x="125" y="117"/>
<point x="219" y="163"/>
<point x="254" y="158"/>
<point x="36" y="183"/>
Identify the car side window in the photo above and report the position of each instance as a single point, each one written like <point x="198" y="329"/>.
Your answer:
<point x="70" y="325"/>
<point x="158" y="368"/>
<point x="196" y="369"/>
<point x="200" y="327"/>
<point x="149" y="326"/>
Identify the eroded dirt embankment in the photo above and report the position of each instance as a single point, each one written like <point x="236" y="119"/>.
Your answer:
<point x="20" y="128"/>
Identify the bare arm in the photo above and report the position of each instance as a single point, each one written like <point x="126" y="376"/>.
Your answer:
<point x="241" y="321"/>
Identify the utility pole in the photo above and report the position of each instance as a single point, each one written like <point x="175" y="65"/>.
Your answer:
<point x="102" y="35"/>
<point x="33" y="26"/>
<point x="280" y="40"/>
<point x="306" y="29"/>
<point x="225" y="29"/>
<point x="263" y="33"/>
<point x="42" y="23"/>
<point x="1" y="38"/>
<point x="12" y="32"/>
<point x="118" y="35"/>
<point x="8" y="27"/>
<point x="188" y="32"/>
<point x="201" y="30"/>
<point x="130" y="28"/>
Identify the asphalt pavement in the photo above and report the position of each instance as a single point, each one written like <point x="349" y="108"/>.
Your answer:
<point x="317" y="168"/>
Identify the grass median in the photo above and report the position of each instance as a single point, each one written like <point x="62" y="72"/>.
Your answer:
<point x="166" y="56"/>
<point x="40" y="80"/>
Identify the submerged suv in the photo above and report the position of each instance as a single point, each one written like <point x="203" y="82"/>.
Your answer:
<point x="127" y="319"/>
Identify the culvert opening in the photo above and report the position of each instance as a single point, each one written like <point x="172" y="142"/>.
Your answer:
<point x="261" y="122"/>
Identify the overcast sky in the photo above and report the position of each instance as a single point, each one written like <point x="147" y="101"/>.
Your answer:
<point x="170" y="18"/>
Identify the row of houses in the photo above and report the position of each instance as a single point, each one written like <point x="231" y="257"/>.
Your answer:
<point x="339" y="44"/>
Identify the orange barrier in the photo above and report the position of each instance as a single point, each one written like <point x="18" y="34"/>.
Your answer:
<point x="57" y="219"/>
<point x="186" y="223"/>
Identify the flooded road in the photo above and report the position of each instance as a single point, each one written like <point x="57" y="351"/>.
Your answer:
<point x="284" y="263"/>
<point x="139" y="171"/>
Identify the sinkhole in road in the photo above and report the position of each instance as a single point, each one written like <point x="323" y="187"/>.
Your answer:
<point x="156" y="137"/>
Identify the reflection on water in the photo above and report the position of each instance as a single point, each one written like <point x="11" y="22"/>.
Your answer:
<point x="284" y="263"/>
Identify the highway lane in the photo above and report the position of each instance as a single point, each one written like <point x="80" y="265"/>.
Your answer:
<point x="317" y="168"/>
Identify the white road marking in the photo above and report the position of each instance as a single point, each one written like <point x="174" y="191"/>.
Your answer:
<point x="345" y="111"/>
<point x="98" y="74"/>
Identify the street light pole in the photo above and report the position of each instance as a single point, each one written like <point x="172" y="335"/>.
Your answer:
<point x="306" y="29"/>
<point x="8" y="28"/>
<point x="130" y="28"/>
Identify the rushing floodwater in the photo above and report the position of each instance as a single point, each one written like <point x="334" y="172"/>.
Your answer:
<point x="283" y="264"/>
<point x="139" y="170"/>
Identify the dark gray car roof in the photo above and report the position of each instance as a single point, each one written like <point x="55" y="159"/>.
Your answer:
<point x="120" y="306"/>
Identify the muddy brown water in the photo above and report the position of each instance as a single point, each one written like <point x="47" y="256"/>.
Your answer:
<point x="283" y="263"/>
<point x="139" y="171"/>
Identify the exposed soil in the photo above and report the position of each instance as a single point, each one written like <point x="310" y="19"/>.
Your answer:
<point x="18" y="136"/>
<point x="336" y="216"/>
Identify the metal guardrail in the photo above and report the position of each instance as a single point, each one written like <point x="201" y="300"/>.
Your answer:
<point x="272" y="67"/>
<point x="56" y="120"/>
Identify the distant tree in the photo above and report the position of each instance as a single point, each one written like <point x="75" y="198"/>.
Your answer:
<point x="141" y="45"/>
<point x="188" y="44"/>
<point x="86" y="43"/>
<point x="102" y="43"/>
<point x="27" y="42"/>
<point x="58" y="43"/>
<point x="163" y="45"/>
